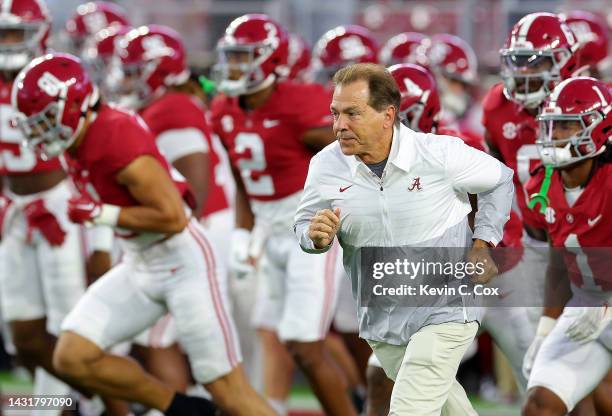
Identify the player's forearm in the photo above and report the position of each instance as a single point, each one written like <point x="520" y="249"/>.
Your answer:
<point x="244" y="216"/>
<point x="141" y="218"/>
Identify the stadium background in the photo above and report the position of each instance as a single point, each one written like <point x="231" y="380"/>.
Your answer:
<point x="484" y="24"/>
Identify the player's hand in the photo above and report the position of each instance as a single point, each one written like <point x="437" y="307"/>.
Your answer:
<point x="38" y="217"/>
<point x="588" y="322"/>
<point x="480" y="255"/>
<point x="323" y="227"/>
<point x="82" y="209"/>
<point x="240" y="263"/>
<point x="545" y="325"/>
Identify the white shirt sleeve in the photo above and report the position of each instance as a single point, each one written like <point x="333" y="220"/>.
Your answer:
<point x="310" y="203"/>
<point x="177" y="143"/>
<point x="475" y="172"/>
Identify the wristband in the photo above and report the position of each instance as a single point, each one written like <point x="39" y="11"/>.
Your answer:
<point x="102" y="237"/>
<point x="545" y="325"/>
<point x="109" y="215"/>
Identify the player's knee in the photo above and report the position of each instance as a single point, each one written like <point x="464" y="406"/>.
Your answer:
<point x="72" y="357"/>
<point x="30" y="338"/>
<point x="543" y="402"/>
<point x="306" y="354"/>
<point x="225" y="389"/>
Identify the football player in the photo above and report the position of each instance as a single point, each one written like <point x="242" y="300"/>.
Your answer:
<point x="42" y="271"/>
<point x="573" y="206"/>
<point x="298" y="60"/>
<point x="539" y="52"/>
<point x="405" y="48"/>
<point x="152" y="73"/>
<point x="271" y="130"/>
<point x="454" y="63"/>
<point x="90" y="18"/>
<point x="98" y="53"/>
<point x="161" y="95"/>
<point x="592" y="33"/>
<point x="168" y="264"/>
<point x="340" y="46"/>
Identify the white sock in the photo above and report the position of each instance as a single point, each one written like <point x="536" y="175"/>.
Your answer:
<point x="279" y="406"/>
<point x="46" y="384"/>
<point x="91" y="407"/>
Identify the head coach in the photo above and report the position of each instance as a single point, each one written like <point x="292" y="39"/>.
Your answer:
<point x="384" y="185"/>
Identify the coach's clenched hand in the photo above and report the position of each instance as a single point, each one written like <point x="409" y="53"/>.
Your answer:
<point x="323" y="227"/>
<point x="481" y="256"/>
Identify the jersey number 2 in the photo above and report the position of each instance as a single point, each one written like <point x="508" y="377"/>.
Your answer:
<point x="258" y="185"/>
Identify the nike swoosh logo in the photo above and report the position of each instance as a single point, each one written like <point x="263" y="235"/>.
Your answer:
<point x="344" y="189"/>
<point x="593" y="221"/>
<point x="270" y="123"/>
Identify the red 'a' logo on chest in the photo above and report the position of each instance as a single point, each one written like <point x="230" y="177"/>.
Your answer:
<point x="416" y="184"/>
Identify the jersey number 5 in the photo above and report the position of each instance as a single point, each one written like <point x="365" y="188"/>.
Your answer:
<point x="14" y="157"/>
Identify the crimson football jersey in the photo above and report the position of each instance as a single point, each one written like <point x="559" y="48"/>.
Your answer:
<point x="265" y="144"/>
<point x="112" y="141"/>
<point x="513" y="131"/>
<point x="509" y="126"/>
<point x="14" y="158"/>
<point x="175" y="111"/>
<point x="586" y="224"/>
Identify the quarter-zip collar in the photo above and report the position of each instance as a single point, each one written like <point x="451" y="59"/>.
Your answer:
<point x="401" y="153"/>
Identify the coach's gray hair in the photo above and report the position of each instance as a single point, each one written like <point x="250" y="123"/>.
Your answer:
<point x="382" y="86"/>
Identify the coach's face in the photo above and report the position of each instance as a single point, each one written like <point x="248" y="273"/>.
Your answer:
<point x="358" y="127"/>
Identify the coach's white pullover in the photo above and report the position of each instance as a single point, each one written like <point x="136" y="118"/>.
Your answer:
<point x="420" y="201"/>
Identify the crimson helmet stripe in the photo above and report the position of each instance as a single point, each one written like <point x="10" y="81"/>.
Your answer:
<point x="600" y="94"/>
<point x="526" y="23"/>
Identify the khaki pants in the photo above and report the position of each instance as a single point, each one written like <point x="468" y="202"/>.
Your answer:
<point x="424" y="371"/>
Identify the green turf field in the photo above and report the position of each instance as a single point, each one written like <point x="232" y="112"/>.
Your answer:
<point x="302" y="401"/>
